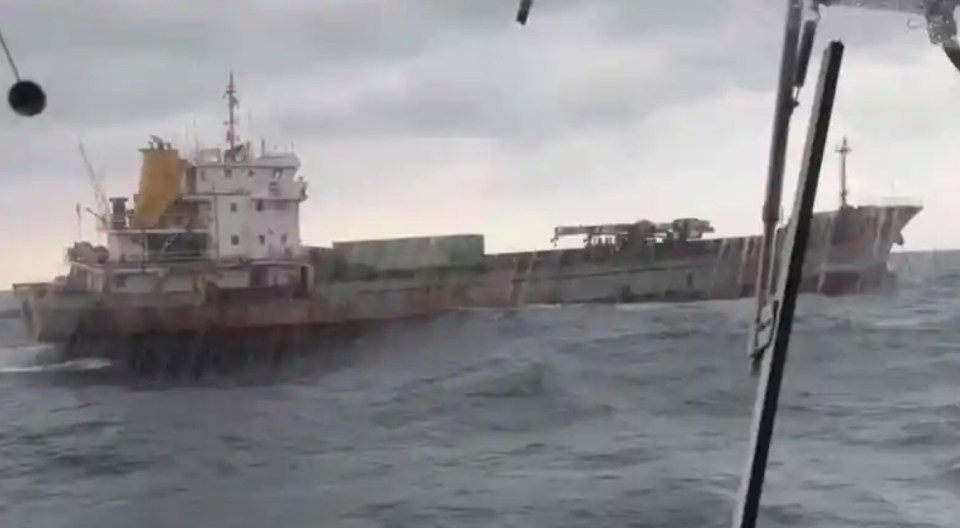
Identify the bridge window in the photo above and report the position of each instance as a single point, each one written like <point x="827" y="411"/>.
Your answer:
<point x="227" y="173"/>
<point x="235" y="240"/>
<point x="263" y="240"/>
<point x="259" y="205"/>
<point x="233" y="207"/>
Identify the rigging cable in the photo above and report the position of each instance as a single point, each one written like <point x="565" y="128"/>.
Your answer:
<point x="6" y="51"/>
<point x="25" y="97"/>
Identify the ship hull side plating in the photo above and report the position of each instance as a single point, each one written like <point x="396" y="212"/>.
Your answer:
<point x="848" y="254"/>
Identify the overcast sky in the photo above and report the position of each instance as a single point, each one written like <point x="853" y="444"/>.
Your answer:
<point x="444" y="116"/>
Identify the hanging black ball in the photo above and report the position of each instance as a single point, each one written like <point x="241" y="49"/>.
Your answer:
<point x="27" y="98"/>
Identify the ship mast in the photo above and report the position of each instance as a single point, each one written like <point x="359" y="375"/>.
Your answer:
<point x="843" y="150"/>
<point x="232" y="104"/>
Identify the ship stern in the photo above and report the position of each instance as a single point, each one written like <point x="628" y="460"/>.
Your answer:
<point x="27" y="296"/>
<point x="50" y="315"/>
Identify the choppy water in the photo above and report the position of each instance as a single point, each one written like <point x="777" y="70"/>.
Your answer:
<point x="579" y="416"/>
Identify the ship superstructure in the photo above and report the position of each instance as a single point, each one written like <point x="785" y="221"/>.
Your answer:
<point x="223" y="217"/>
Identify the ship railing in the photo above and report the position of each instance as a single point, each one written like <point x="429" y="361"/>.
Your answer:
<point x="895" y="201"/>
<point x="207" y="155"/>
<point x="185" y="256"/>
<point x="179" y="221"/>
<point x="161" y="257"/>
<point x="177" y="258"/>
<point x="172" y="221"/>
<point x="38" y="290"/>
<point x="284" y="189"/>
<point x="285" y="253"/>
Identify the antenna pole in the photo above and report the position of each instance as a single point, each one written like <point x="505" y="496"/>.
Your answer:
<point x="232" y="104"/>
<point x="843" y="149"/>
<point x="79" y="223"/>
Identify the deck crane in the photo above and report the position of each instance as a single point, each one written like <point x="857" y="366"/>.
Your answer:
<point x="101" y="199"/>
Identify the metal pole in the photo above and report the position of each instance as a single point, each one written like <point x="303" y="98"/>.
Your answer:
<point x="216" y="221"/>
<point x="843" y="150"/>
<point x="778" y="148"/>
<point x="791" y="259"/>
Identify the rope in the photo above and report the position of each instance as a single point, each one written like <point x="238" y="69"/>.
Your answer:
<point x="6" y="51"/>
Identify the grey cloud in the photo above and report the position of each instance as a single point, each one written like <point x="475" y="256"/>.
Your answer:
<point x="113" y="61"/>
<point x="491" y="91"/>
<point x="127" y="59"/>
<point x="447" y="108"/>
<point x="448" y="101"/>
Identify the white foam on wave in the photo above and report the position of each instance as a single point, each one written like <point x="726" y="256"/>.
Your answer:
<point x="75" y="365"/>
<point x="906" y="323"/>
<point x="42" y="358"/>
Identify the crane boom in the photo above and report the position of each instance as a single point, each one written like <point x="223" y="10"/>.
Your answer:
<point x="95" y="181"/>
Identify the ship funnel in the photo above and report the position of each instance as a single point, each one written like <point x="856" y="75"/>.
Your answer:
<point x="159" y="183"/>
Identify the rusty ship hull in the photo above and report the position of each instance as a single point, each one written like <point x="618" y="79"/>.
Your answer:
<point x="848" y="254"/>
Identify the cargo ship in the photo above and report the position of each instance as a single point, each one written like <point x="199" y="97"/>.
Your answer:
<point x="212" y="243"/>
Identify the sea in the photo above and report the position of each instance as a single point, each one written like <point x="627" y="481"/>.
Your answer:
<point x="578" y="416"/>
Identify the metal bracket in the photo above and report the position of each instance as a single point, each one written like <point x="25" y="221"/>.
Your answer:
<point x="524" y="11"/>
<point x="763" y="334"/>
<point x="792" y="256"/>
